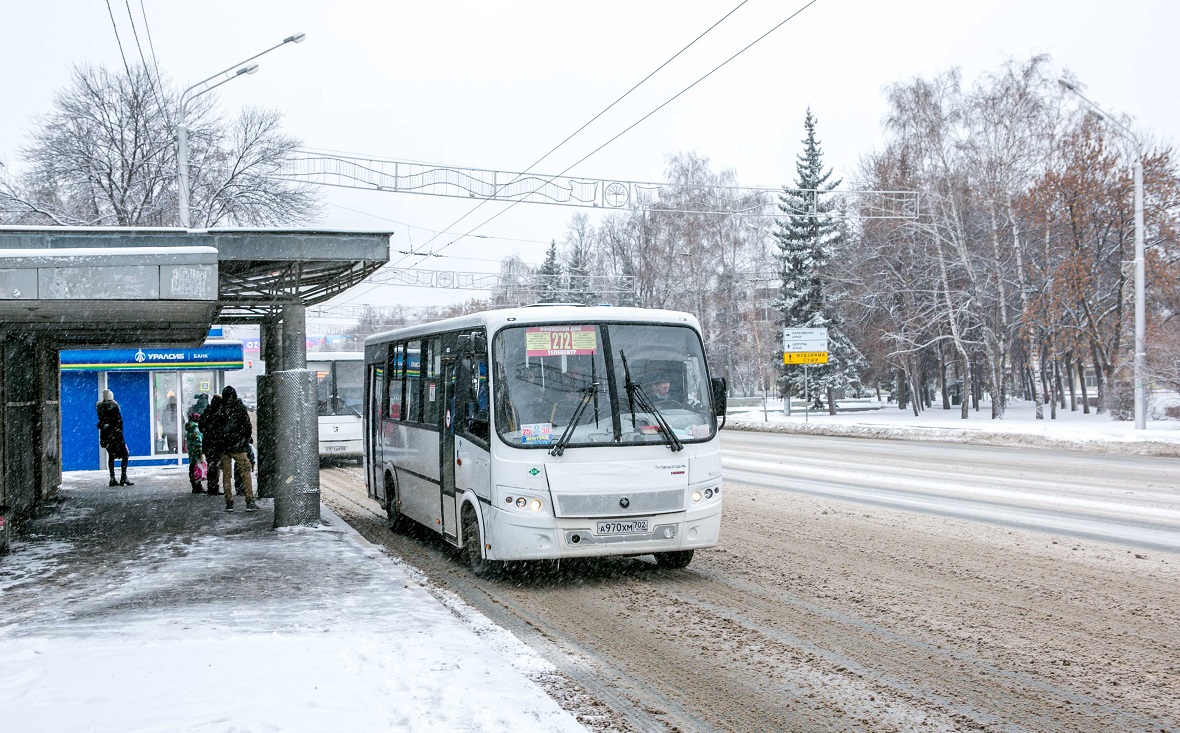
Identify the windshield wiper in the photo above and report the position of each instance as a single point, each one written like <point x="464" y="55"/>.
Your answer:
<point x="588" y="393"/>
<point x="635" y="394"/>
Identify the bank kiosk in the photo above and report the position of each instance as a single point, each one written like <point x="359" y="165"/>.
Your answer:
<point x="145" y="381"/>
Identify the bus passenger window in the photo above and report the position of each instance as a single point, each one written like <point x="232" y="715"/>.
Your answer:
<point x="396" y="380"/>
<point x="412" y="406"/>
<point x="477" y="424"/>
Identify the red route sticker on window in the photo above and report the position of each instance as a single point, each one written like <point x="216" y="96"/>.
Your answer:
<point x="560" y="341"/>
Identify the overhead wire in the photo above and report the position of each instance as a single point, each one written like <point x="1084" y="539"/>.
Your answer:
<point x="435" y="231"/>
<point x="610" y="106"/>
<point x="135" y="34"/>
<point x="630" y="127"/>
<point x="155" y="65"/>
<point x="575" y="132"/>
<point x="118" y="40"/>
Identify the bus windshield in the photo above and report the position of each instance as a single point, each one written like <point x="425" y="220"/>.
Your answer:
<point x="549" y="376"/>
<point x="339" y="387"/>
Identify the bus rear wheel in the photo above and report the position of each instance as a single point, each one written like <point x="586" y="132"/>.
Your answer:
<point x="473" y="546"/>
<point x="674" y="559"/>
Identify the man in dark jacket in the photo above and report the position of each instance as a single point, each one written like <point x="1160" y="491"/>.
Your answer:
<point x="211" y="432"/>
<point x="110" y="436"/>
<point x="236" y="434"/>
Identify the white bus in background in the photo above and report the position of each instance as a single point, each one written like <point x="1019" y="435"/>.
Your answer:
<point x="546" y="432"/>
<point x="339" y="402"/>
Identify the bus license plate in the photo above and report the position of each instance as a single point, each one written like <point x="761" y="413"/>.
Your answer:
<point x="630" y="526"/>
<point x="334" y="448"/>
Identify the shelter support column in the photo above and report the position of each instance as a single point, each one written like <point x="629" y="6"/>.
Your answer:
<point x="271" y="343"/>
<point x="20" y="425"/>
<point x="294" y="336"/>
<point x="297" y="446"/>
<point x="297" y="484"/>
<point x="47" y="451"/>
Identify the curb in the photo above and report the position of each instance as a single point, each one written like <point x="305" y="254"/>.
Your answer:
<point x="1141" y="447"/>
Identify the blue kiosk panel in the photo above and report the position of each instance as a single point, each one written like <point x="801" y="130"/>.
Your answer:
<point x="79" y="422"/>
<point x="133" y="392"/>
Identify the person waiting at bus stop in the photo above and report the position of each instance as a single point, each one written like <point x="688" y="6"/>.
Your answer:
<point x="236" y="434"/>
<point x="110" y="436"/>
<point x="210" y="424"/>
<point x="193" y="439"/>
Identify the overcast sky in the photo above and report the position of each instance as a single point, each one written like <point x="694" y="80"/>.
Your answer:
<point x="497" y="84"/>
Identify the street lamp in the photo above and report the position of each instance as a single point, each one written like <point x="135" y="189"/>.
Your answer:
<point x="196" y="90"/>
<point x="1140" y="362"/>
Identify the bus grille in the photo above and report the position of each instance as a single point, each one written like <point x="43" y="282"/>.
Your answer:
<point x="608" y="505"/>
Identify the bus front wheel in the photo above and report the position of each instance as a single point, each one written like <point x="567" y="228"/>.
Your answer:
<point x="473" y="545"/>
<point x="674" y="559"/>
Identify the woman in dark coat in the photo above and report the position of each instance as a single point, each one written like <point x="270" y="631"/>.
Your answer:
<point x="110" y="436"/>
<point x="210" y="430"/>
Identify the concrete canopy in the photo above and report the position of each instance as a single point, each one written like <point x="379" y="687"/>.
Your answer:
<point x="88" y="295"/>
<point x="105" y="286"/>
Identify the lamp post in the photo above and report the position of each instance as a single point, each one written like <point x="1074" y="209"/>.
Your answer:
<point x="1140" y="362"/>
<point x="196" y="90"/>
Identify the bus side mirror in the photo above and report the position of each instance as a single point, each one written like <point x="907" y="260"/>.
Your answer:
<point x="473" y="343"/>
<point x="720" y="400"/>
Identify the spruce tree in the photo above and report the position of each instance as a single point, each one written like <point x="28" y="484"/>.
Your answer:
<point x="548" y="280"/>
<point x="808" y="236"/>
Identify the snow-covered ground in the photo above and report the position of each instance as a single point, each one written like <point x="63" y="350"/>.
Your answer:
<point x="1019" y="426"/>
<point x="215" y="622"/>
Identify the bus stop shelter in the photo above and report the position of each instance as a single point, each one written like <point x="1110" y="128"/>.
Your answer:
<point x="92" y="287"/>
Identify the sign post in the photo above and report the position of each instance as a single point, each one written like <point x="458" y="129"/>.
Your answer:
<point x="804" y="346"/>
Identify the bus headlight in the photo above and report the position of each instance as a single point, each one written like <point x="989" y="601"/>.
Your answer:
<point x="696" y="496"/>
<point x="526" y="503"/>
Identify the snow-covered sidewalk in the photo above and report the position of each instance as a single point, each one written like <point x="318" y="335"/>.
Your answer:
<point x="1019" y="426"/>
<point x="150" y="609"/>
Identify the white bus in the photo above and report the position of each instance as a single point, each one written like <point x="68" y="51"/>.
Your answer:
<point x="339" y="402"/>
<point x="548" y="432"/>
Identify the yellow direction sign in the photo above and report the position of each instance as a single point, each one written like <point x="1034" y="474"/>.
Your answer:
<point x="805" y="357"/>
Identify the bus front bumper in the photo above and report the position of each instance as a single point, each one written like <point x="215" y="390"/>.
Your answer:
<point x="517" y="536"/>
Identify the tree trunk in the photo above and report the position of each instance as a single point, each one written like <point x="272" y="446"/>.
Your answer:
<point x="946" y="398"/>
<point x="831" y="401"/>
<point x="1046" y="384"/>
<point x="1034" y="360"/>
<point x="996" y="375"/>
<point x="915" y="390"/>
<point x="972" y="379"/>
<point x="1085" y="391"/>
<point x="1073" y="395"/>
<point x="1060" y="387"/>
<point x="1054" y="390"/>
<point x="1099" y="381"/>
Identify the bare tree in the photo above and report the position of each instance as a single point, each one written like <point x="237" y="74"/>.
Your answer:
<point x="106" y="156"/>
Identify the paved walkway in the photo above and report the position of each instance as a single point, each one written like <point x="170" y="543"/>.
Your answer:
<point x="150" y="608"/>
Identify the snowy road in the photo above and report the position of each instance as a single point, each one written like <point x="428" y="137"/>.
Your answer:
<point x="1134" y="500"/>
<point x="824" y="614"/>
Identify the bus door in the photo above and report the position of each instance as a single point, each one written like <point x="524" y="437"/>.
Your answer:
<point x="374" y="413"/>
<point x="450" y="519"/>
